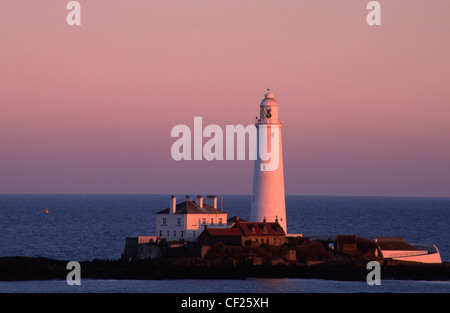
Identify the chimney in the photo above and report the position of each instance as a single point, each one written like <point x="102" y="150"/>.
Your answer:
<point x="199" y="201"/>
<point x="212" y="201"/>
<point x="172" y="205"/>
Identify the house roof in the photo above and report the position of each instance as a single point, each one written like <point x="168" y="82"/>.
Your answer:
<point x="261" y="228"/>
<point x="190" y="207"/>
<point x="224" y="231"/>
<point x="248" y="229"/>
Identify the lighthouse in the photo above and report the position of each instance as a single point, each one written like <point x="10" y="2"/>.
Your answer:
<point x="268" y="200"/>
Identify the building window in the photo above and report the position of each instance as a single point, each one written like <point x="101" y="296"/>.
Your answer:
<point x="220" y="221"/>
<point x="168" y="233"/>
<point x="204" y="220"/>
<point x="174" y="233"/>
<point x="164" y="221"/>
<point x="182" y="233"/>
<point x="160" y="233"/>
<point x="212" y="220"/>
<point x="193" y="233"/>
<point x="178" y="221"/>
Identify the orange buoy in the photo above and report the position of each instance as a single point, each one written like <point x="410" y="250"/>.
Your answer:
<point x="46" y="210"/>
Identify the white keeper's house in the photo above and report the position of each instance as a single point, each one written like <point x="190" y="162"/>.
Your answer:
<point x="186" y="220"/>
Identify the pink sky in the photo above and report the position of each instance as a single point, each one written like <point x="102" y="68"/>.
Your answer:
<point x="89" y="109"/>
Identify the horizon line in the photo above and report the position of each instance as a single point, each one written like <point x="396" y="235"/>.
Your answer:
<point x="225" y="194"/>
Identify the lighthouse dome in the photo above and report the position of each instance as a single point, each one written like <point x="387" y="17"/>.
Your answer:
<point x="269" y="99"/>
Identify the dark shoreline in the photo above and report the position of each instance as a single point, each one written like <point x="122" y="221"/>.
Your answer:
<point x="29" y="268"/>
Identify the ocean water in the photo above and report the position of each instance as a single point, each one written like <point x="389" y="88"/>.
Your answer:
<point x="250" y="285"/>
<point x="87" y="227"/>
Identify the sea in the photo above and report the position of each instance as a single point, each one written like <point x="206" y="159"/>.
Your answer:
<point x="86" y="227"/>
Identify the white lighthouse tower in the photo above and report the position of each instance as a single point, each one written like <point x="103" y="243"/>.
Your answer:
<point x="268" y="201"/>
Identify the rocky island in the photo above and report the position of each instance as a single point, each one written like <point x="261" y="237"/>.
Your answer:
<point x="220" y="261"/>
